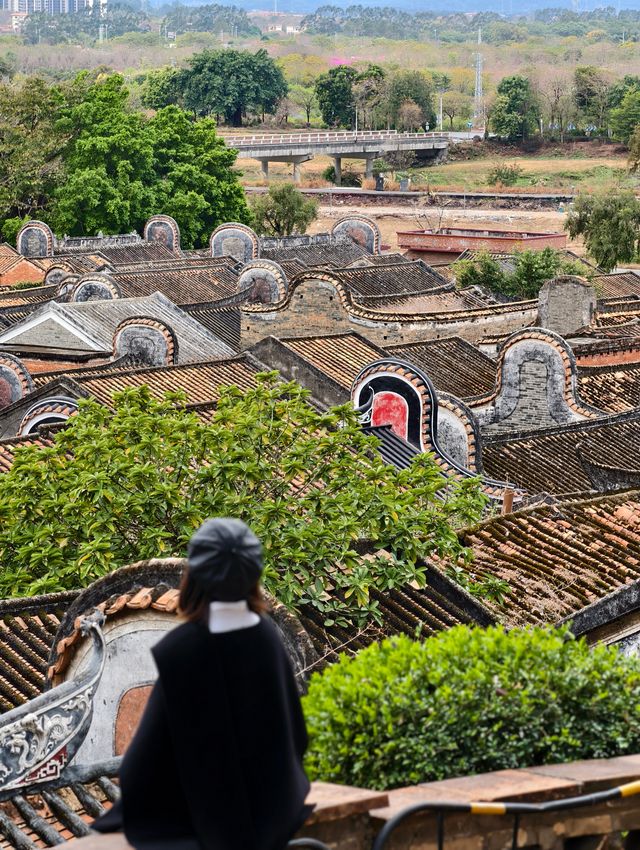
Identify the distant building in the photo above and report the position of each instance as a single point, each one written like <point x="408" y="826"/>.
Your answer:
<point x="22" y="8"/>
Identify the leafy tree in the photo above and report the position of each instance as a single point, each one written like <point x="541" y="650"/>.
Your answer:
<point x="409" y="85"/>
<point x="282" y="211"/>
<point x="531" y="270"/>
<point x="467" y="701"/>
<point x="210" y="17"/>
<point x="304" y="97"/>
<point x="610" y="226"/>
<point x="618" y="89"/>
<point x="626" y="117"/>
<point x="334" y="91"/>
<point x="232" y="83"/>
<point x="31" y="145"/>
<point x="634" y="151"/>
<point x="591" y="95"/>
<point x="162" y="88"/>
<point x="515" y="109"/>
<point x="456" y="105"/>
<point x="368" y="91"/>
<point x="121" y="167"/>
<point x="134" y="481"/>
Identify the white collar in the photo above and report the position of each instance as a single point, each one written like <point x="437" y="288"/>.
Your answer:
<point x="231" y="616"/>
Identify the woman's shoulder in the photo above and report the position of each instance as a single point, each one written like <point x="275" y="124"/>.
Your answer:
<point x="182" y="639"/>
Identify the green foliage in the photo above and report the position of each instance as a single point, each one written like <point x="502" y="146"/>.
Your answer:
<point x="468" y="701"/>
<point x="626" y="118"/>
<point x="162" y="88"/>
<point x="347" y="177"/>
<point x="84" y="27"/>
<point x="591" y="95"/>
<point x="515" y="109"/>
<point x="282" y="211"/>
<point x="335" y="96"/>
<point x="134" y="482"/>
<point x="210" y="17"/>
<point x="76" y="155"/>
<point x="232" y="83"/>
<point x="634" y="151"/>
<point x="532" y="269"/>
<point x="508" y="175"/>
<point x="409" y="86"/>
<point x="610" y="226"/>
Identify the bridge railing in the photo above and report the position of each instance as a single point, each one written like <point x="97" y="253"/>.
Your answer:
<point x="274" y="139"/>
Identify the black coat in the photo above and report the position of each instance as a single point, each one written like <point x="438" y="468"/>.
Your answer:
<point x="216" y="763"/>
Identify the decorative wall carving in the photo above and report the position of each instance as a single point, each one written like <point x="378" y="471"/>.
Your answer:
<point x="15" y="380"/>
<point x="147" y="340"/>
<point x="364" y="231"/>
<point x="235" y="240"/>
<point x="35" y="239"/>
<point x="38" y="739"/>
<point x="95" y="286"/>
<point x="263" y="282"/>
<point x="163" y="229"/>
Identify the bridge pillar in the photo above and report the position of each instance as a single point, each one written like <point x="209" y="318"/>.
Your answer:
<point x="264" y="165"/>
<point x="337" y="165"/>
<point x="368" y="165"/>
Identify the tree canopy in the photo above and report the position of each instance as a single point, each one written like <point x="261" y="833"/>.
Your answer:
<point x="134" y="481"/>
<point x="334" y="91"/>
<point x="77" y="156"/>
<point x="282" y="211"/>
<point x="514" y="111"/>
<point x="610" y="226"/>
<point x="532" y="269"/>
<point x="226" y="83"/>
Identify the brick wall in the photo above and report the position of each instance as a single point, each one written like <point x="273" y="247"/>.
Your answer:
<point x="22" y="272"/>
<point x="315" y="307"/>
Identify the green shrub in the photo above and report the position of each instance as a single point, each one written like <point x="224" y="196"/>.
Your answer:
<point x="507" y="175"/>
<point x="348" y="177"/>
<point x="467" y="701"/>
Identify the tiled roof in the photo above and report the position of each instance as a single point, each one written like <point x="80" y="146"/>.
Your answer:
<point x="393" y="449"/>
<point x="182" y="284"/>
<point x="134" y="253"/>
<point x="75" y="263"/>
<point x="61" y="810"/>
<point x="27" y="629"/>
<point x="200" y="381"/>
<point x="549" y="460"/>
<point x="8" y="262"/>
<point x="616" y="285"/>
<point x="99" y="320"/>
<point x="7" y="250"/>
<point x="388" y="280"/>
<point x="9" y="447"/>
<point x="223" y="322"/>
<point x="73" y="370"/>
<point x="335" y="253"/>
<point x="558" y="558"/>
<point x="454" y="365"/>
<point x="340" y="356"/>
<point x="22" y="297"/>
<point x="430" y="303"/>
<point x="615" y="388"/>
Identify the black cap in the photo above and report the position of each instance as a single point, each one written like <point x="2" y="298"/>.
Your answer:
<point x="225" y="559"/>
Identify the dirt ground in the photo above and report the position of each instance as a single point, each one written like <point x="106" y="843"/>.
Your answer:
<point x="392" y="219"/>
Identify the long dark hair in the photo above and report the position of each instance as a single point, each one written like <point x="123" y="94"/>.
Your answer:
<point x="193" y="603"/>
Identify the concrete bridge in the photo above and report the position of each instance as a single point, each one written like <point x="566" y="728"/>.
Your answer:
<point x="368" y="145"/>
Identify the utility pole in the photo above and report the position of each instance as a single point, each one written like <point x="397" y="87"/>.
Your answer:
<point x="440" y="113"/>
<point x="478" y="98"/>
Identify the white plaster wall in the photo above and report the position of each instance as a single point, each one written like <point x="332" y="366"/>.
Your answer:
<point x="129" y="664"/>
